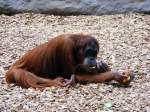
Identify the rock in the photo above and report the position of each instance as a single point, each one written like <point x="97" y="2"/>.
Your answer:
<point x="67" y="7"/>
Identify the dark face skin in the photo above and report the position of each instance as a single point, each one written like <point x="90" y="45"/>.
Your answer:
<point x="88" y="55"/>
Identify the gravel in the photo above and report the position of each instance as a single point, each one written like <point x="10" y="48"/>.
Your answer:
<point x="124" y="43"/>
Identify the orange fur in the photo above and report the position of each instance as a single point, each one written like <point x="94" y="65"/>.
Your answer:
<point x="51" y="63"/>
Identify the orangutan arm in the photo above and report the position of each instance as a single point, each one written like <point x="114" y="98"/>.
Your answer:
<point x="125" y="78"/>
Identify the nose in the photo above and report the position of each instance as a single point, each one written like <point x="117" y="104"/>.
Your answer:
<point x="92" y="61"/>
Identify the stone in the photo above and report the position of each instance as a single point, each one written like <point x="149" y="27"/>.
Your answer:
<point x="69" y="7"/>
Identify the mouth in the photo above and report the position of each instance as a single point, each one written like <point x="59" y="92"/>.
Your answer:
<point x="92" y="67"/>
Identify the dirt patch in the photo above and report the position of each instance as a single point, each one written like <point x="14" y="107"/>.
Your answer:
<point x="124" y="43"/>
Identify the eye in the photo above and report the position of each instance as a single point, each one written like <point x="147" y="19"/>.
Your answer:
<point x="91" y="52"/>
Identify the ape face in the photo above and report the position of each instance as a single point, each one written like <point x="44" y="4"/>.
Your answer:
<point x="90" y="54"/>
<point x="87" y="54"/>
